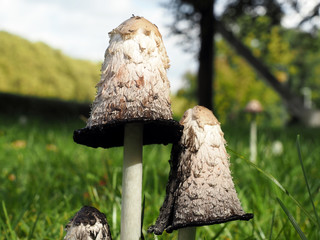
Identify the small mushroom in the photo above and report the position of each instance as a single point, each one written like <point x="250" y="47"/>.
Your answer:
<point x="253" y="108"/>
<point x="200" y="190"/>
<point x="132" y="108"/>
<point x="88" y="224"/>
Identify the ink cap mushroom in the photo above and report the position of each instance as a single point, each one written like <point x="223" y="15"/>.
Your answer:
<point x="88" y="224"/>
<point x="200" y="190"/>
<point x="132" y="108"/>
<point x="253" y="107"/>
<point x="133" y="88"/>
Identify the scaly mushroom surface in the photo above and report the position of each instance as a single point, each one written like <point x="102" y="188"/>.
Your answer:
<point x="133" y="88"/>
<point x="88" y="224"/>
<point x="132" y="108"/>
<point x="200" y="190"/>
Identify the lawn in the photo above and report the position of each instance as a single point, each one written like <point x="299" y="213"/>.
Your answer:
<point x="45" y="178"/>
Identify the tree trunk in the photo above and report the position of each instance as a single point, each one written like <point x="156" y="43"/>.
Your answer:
<point x="293" y="103"/>
<point x="206" y="56"/>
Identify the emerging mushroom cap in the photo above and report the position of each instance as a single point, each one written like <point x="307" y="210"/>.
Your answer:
<point x="133" y="88"/>
<point x="254" y="106"/>
<point x="200" y="190"/>
<point x="88" y="224"/>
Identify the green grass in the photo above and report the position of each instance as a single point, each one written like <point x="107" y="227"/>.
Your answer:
<point x="45" y="178"/>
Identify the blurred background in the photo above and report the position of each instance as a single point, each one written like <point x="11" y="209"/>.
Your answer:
<point x="223" y="53"/>
<point x="241" y="50"/>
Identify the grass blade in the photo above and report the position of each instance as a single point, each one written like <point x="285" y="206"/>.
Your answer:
<point x="280" y="232"/>
<point x="219" y="232"/>
<point x="3" y="230"/>
<point x="13" y="235"/>
<point x="272" y="224"/>
<point x="22" y="212"/>
<point x="292" y="220"/>
<point x="34" y="226"/>
<point x="306" y="180"/>
<point x="276" y="182"/>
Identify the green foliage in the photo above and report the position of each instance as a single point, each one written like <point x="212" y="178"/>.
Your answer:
<point x="37" y="69"/>
<point x="236" y="84"/>
<point x="291" y="55"/>
<point x="45" y="178"/>
<point x="186" y="97"/>
<point x="292" y="220"/>
<point x="304" y="68"/>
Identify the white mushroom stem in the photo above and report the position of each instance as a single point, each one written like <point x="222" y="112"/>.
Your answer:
<point x="132" y="182"/>
<point x="188" y="233"/>
<point x="253" y="139"/>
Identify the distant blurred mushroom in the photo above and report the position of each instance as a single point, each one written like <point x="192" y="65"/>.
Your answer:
<point x="88" y="224"/>
<point x="132" y="108"/>
<point x="200" y="190"/>
<point x="253" y="108"/>
<point x="277" y="148"/>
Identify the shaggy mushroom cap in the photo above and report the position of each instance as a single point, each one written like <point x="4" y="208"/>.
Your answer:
<point x="88" y="224"/>
<point x="254" y="106"/>
<point x="133" y="88"/>
<point x="200" y="190"/>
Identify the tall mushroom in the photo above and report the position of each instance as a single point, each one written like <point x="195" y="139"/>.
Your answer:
<point x="88" y="224"/>
<point x="132" y="108"/>
<point x="253" y="108"/>
<point x="200" y="190"/>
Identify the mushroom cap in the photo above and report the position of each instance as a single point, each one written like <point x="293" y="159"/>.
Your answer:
<point x="131" y="26"/>
<point x="133" y="88"/>
<point x="254" y="106"/>
<point x="159" y="131"/>
<point x="200" y="190"/>
<point x="88" y="223"/>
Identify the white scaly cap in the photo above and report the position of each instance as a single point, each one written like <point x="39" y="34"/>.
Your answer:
<point x="133" y="88"/>
<point x="133" y="81"/>
<point x="200" y="190"/>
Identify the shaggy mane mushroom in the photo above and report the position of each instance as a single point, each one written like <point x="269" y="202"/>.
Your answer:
<point x="132" y="108"/>
<point x="200" y="190"/>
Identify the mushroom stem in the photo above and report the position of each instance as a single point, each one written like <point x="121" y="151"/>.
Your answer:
<point x="253" y="139"/>
<point x="188" y="233"/>
<point x="132" y="182"/>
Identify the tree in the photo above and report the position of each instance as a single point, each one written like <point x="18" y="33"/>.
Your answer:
<point x="189" y="13"/>
<point x="198" y="14"/>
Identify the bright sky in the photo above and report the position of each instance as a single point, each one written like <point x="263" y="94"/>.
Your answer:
<point x="80" y="27"/>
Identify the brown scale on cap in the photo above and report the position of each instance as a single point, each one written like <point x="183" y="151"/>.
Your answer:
<point x="200" y="190"/>
<point x="202" y="115"/>
<point x="130" y="27"/>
